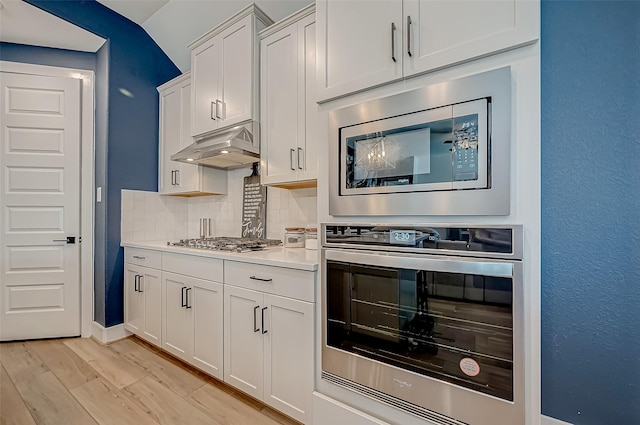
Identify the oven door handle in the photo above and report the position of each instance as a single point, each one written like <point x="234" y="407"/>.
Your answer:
<point x="484" y="267"/>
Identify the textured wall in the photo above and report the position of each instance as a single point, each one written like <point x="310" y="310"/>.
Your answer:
<point x="136" y="65"/>
<point x="591" y="211"/>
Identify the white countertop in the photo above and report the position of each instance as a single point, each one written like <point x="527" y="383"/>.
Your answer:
<point x="293" y="258"/>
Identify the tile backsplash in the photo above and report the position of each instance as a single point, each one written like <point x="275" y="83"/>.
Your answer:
<point x="150" y="216"/>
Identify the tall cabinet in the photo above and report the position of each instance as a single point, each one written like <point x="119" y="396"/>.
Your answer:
<point x="177" y="178"/>
<point x="287" y="95"/>
<point x="397" y="39"/>
<point x="224" y="73"/>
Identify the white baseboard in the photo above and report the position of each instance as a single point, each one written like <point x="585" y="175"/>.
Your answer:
<point x="546" y="420"/>
<point x="110" y="334"/>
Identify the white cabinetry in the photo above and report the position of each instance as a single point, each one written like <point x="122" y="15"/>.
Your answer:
<point x="366" y="44"/>
<point x="224" y="68"/>
<point x="269" y="334"/>
<point x="193" y="315"/>
<point x="287" y="94"/>
<point x="143" y="294"/>
<point x="177" y="178"/>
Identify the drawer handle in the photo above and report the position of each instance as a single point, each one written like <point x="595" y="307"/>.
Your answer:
<point x="255" y="324"/>
<point x="183" y="303"/>
<point x="261" y="279"/>
<point x="187" y="303"/>
<point x="137" y="257"/>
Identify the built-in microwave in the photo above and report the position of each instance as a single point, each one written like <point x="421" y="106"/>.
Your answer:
<point x="437" y="150"/>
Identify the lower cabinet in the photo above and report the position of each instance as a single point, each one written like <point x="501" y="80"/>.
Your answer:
<point x="143" y="302"/>
<point x="269" y="349"/>
<point x="193" y="321"/>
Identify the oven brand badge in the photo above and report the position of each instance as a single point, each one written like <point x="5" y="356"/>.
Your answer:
<point x="401" y="384"/>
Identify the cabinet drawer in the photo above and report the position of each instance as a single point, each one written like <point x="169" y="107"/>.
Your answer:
<point x="143" y="257"/>
<point x="292" y="283"/>
<point x="192" y="265"/>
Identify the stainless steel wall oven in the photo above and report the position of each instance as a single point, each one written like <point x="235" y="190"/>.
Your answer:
<point x="438" y="150"/>
<point x="427" y="318"/>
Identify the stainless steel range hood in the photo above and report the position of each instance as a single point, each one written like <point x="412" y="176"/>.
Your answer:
<point x="230" y="148"/>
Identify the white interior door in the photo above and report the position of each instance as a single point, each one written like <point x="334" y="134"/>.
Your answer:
<point x="39" y="206"/>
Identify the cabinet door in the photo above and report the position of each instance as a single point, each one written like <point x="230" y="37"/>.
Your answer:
<point x="243" y="348"/>
<point x="178" y="318"/>
<point x="188" y="177"/>
<point x="279" y="110"/>
<point x="205" y="78"/>
<point x="288" y="381"/>
<point x="133" y="299"/>
<point x="355" y="45"/>
<point x="307" y="155"/>
<point x="175" y="134"/>
<point x="443" y="32"/>
<point x="208" y="327"/>
<point x="170" y="139"/>
<point x="236" y="83"/>
<point x="151" y="290"/>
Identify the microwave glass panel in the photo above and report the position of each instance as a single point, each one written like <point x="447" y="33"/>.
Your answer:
<point x="423" y="151"/>
<point x="455" y="327"/>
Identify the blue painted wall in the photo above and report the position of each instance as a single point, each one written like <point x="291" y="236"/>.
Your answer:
<point x="590" y="58"/>
<point x="135" y="66"/>
<point x="11" y="52"/>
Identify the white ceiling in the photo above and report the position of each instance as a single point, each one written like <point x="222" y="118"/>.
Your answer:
<point x="173" y="24"/>
<point x="22" y="23"/>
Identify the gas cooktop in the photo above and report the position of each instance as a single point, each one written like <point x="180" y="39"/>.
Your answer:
<point x="228" y="244"/>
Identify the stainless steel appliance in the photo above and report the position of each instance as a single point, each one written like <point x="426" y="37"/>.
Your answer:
<point x="428" y="319"/>
<point x="437" y="150"/>
<point x="228" y="244"/>
<point x="227" y="148"/>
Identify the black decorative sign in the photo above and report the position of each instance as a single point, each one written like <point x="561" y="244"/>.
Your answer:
<point x="254" y="207"/>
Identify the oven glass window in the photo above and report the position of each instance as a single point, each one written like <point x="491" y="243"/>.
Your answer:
<point x="451" y="326"/>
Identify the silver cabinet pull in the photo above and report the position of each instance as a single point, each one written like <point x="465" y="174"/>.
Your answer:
<point x="136" y="282"/>
<point x="138" y="257"/>
<point x="140" y="283"/>
<point x="393" y="41"/>
<point x="299" y="160"/>
<point x="187" y="303"/>
<point x="213" y="114"/>
<point x="264" y="330"/>
<point x="291" y="152"/>
<point x="218" y="115"/>
<point x="261" y="279"/>
<point x="177" y="177"/>
<point x="255" y="324"/>
<point x="409" y="36"/>
<point x="183" y="302"/>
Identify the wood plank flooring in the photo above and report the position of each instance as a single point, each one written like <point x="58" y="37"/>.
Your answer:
<point x="78" y="381"/>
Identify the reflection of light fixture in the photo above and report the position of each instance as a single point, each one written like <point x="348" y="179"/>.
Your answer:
<point x="190" y="159"/>
<point x="376" y="155"/>
<point x="225" y="151"/>
<point x="125" y="92"/>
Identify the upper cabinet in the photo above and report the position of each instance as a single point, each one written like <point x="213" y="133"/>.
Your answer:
<point x="362" y="47"/>
<point x="176" y="178"/>
<point x="288" y="110"/>
<point x="224" y="71"/>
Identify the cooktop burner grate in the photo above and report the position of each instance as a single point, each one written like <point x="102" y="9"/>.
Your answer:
<point x="229" y="244"/>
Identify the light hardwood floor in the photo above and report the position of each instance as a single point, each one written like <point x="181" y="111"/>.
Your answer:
<point x="78" y="381"/>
